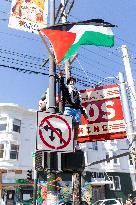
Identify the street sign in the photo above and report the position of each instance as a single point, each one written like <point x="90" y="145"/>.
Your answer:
<point x="54" y="132"/>
<point x="105" y="117"/>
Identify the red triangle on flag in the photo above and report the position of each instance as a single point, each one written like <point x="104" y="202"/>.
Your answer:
<point x="60" y="40"/>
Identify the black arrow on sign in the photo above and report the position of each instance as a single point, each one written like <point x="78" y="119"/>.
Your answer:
<point x="46" y="127"/>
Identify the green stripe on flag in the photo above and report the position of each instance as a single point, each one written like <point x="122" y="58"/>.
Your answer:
<point x="91" y="38"/>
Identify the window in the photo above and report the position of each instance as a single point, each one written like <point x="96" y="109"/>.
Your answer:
<point x="16" y="125"/>
<point x="1" y="150"/>
<point x="94" y="146"/>
<point x="109" y="202"/>
<point x="3" y="123"/>
<point x="107" y="158"/>
<point x="14" y="151"/>
<point x="111" y="186"/>
<point x="130" y="160"/>
<point x="115" y="160"/>
<point x="117" y="183"/>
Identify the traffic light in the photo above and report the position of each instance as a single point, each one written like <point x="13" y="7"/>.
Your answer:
<point x="29" y="174"/>
<point x="73" y="161"/>
<point x="50" y="160"/>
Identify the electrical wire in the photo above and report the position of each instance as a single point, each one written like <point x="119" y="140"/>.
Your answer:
<point x="97" y="68"/>
<point x="23" y="70"/>
<point x="91" y="75"/>
<point x="20" y="54"/>
<point x="19" y="36"/>
<point x="86" y="49"/>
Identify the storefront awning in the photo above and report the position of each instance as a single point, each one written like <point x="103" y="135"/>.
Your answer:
<point x="101" y="183"/>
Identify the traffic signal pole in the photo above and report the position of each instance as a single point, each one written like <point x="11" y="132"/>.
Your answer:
<point x="52" y="67"/>
<point x="51" y="176"/>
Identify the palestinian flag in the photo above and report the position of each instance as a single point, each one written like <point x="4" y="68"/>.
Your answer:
<point x="67" y="38"/>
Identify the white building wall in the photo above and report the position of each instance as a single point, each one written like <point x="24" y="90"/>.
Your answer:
<point x="118" y="146"/>
<point x="25" y="139"/>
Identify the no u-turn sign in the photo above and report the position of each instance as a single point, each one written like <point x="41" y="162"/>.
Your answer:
<point x="54" y="132"/>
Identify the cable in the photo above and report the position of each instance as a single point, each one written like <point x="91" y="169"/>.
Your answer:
<point x="100" y="55"/>
<point x="88" y="63"/>
<point x="19" y="36"/>
<point x="133" y="44"/>
<point x="20" y="61"/>
<point x="8" y="0"/>
<point x="83" y="69"/>
<point x="110" y="158"/>
<point x="89" y="73"/>
<point x="14" y="53"/>
<point x="4" y="12"/>
<point x="23" y="70"/>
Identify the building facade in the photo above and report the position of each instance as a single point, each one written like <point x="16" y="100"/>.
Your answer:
<point x="114" y="178"/>
<point x="17" y="143"/>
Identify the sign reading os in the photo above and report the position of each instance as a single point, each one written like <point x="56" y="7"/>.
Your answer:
<point x="105" y="116"/>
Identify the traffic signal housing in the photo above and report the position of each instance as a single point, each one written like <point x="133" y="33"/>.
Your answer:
<point x="29" y="174"/>
<point x="50" y="161"/>
<point x="73" y="161"/>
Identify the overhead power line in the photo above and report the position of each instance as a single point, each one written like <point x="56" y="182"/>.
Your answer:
<point x="110" y="158"/>
<point x="100" y="55"/>
<point x="23" y="70"/>
<point x="22" y="55"/>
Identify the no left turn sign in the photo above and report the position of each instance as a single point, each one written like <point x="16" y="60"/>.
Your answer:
<point x="54" y="132"/>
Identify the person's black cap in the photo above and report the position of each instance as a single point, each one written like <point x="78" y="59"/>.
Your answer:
<point x="71" y="78"/>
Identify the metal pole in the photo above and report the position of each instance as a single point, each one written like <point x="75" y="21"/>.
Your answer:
<point x="35" y="188"/>
<point x="129" y="78"/>
<point x="126" y="110"/>
<point x="76" y="178"/>
<point x="67" y="63"/>
<point x="52" y="69"/>
<point x="51" y="188"/>
<point x="131" y="88"/>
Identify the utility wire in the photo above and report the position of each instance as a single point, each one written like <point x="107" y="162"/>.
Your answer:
<point x="100" y="55"/>
<point x="22" y="55"/>
<point x="110" y="158"/>
<point x="19" y="36"/>
<point x="97" y="68"/>
<point x="89" y="73"/>
<point x="14" y="60"/>
<point x="23" y="70"/>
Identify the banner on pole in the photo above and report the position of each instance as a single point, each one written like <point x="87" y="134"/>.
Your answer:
<point x="105" y="117"/>
<point x="28" y="15"/>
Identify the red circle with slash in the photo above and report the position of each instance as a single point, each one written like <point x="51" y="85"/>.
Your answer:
<point x="65" y="143"/>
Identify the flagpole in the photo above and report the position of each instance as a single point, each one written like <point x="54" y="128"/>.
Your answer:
<point x="51" y="176"/>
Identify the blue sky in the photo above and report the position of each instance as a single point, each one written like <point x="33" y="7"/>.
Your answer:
<point x="25" y="50"/>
